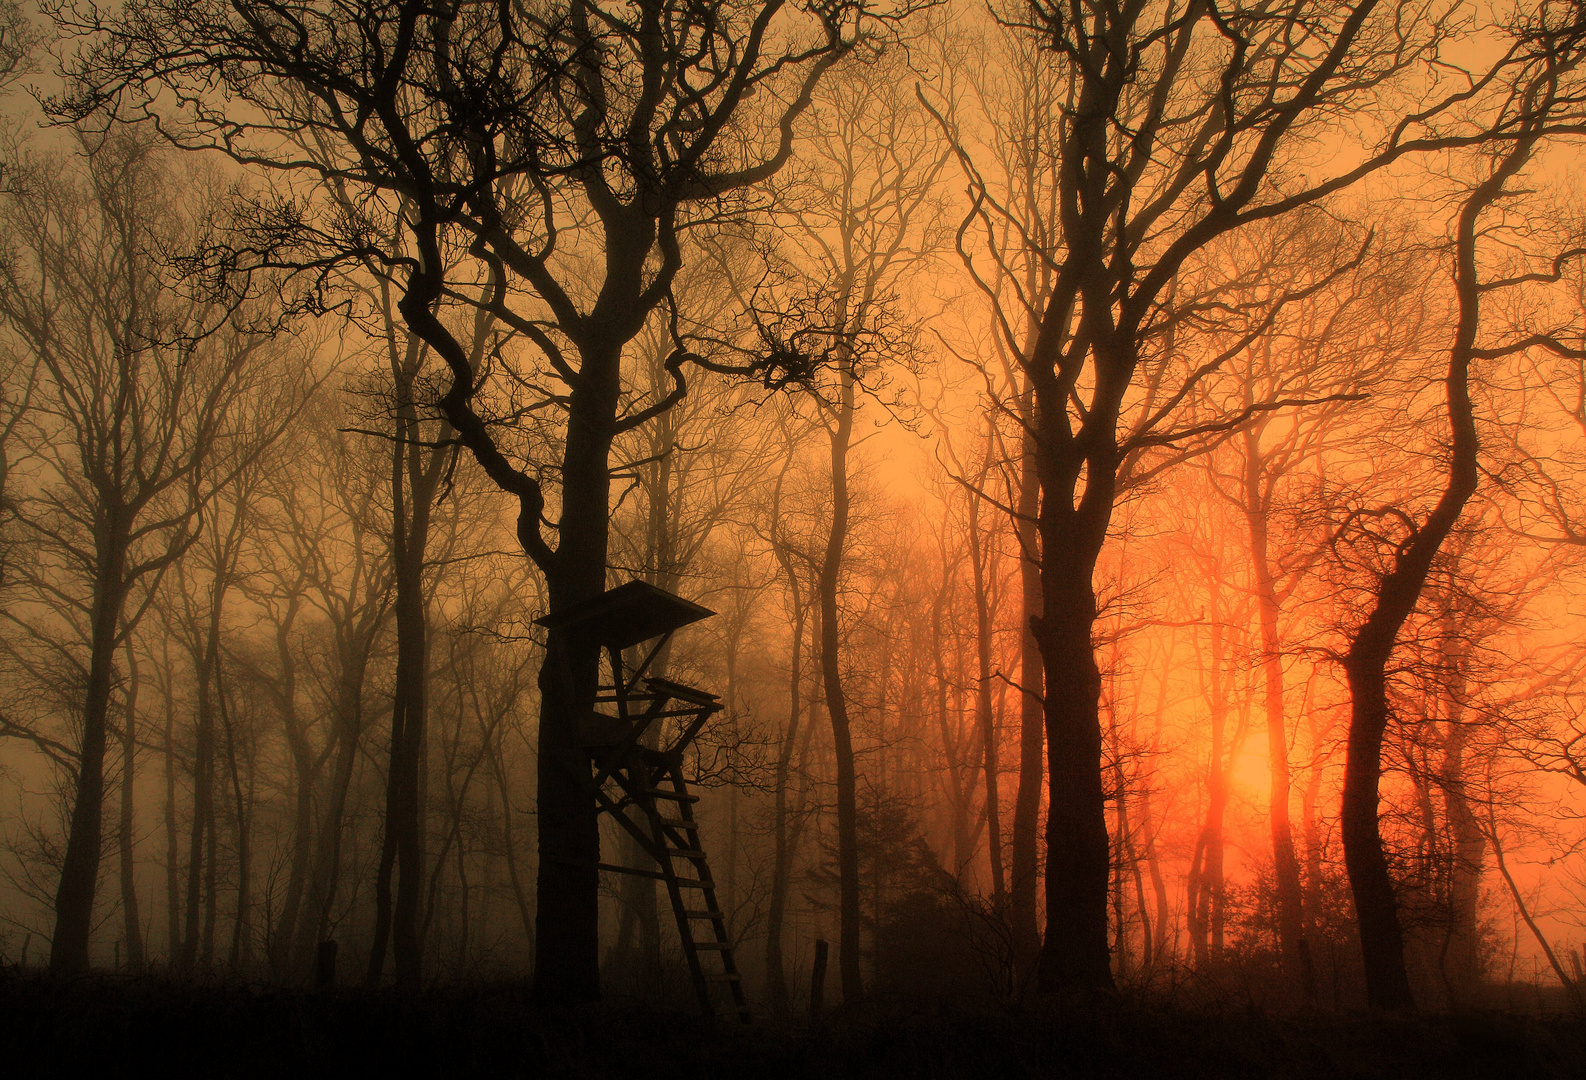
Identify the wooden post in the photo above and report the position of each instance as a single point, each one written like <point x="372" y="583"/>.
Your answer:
<point x="818" y="980"/>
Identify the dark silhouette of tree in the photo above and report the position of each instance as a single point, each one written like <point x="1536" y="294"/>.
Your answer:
<point x="1536" y="95"/>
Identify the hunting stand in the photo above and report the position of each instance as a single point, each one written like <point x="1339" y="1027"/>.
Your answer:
<point x="635" y="732"/>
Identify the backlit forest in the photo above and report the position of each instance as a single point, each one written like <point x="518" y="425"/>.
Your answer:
<point x="1132" y="453"/>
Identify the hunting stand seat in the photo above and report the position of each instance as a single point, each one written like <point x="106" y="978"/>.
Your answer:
<point x="636" y="731"/>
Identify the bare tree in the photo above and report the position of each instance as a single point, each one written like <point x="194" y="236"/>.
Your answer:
<point x="142" y="415"/>
<point x="1535" y="95"/>
<point x="862" y="221"/>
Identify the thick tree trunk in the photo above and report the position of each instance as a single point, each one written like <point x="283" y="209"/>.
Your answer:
<point x="567" y="922"/>
<point x="1366" y="662"/>
<point x="74" y="899"/>
<point x="1074" y="953"/>
<point x="1381" y="939"/>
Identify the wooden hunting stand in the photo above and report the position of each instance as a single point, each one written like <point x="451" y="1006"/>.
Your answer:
<point x="636" y="731"/>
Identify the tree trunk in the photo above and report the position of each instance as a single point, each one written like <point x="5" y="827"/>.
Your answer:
<point x="242" y="927"/>
<point x="1024" y="873"/>
<point x="173" y="859"/>
<point x="567" y="922"/>
<point x="323" y="878"/>
<point x="1207" y="884"/>
<point x="979" y="557"/>
<point x="1366" y="662"/>
<point x="781" y="832"/>
<point x="1381" y="939"/>
<point x="74" y="899"/>
<point x="203" y="785"/>
<point x="1292" y="942"/>
<point x="1461" y="961"/>
<point x="305" y="772"/>
<point x="414" y="481"/>
<point x="1074" y="954"/>
<point x="638" y="945"/>
<point x="837" y="701"/>
<point x="132" y="928"/>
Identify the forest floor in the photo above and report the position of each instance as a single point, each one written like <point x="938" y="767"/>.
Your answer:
<point x="106" y="1027"/>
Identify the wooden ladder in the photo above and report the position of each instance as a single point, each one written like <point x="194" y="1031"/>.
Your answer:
<point x="652" y="782"/>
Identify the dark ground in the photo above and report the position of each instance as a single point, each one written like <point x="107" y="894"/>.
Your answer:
<point x="110" y="1027"/>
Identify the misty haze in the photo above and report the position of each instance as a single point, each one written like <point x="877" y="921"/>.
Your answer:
<point x="793" y="537"/>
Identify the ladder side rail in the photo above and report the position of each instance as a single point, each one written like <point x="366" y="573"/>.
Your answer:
<point x="674" y="893"/>
<point x="718" y="919"/>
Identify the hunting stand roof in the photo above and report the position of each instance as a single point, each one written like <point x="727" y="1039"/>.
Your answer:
<point x="621" y="618"/>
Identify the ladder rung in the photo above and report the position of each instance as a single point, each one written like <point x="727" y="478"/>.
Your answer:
<point x="678" y="823"/>
<point x="613" y="868"/>
<point x="687" y="853"/>
<point x="694" y="883"/>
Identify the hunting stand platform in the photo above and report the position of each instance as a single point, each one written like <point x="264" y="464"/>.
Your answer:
<point x="636" y="732"/>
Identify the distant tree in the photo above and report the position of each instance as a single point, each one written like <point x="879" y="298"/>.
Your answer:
<point x="860" y="221"/>
<point x="147" y="404"/>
